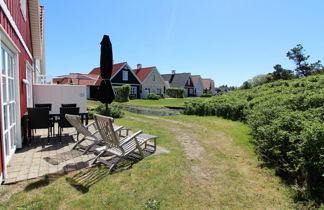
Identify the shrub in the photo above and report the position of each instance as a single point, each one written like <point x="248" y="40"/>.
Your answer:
<point x="122" y="93"/>
<point x="206" y="95"/>
<point x="175" y="92"/>
<point x="114" y="110"/>
<point x="153" y="96"/>
<point x="287" y="124"/>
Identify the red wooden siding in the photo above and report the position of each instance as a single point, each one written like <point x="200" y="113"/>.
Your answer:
<point x="24" y="28"/>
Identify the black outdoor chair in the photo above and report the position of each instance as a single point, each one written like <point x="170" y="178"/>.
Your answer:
<point x="68" y="105"/>
<point x="39" y="118"/>
<point x="49" y="106"/>
<point x="63" y="123"/>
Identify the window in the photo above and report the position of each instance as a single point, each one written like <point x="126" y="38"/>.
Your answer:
<point x="23" y="8"/>
<point x="125" y="75"/>
<point x="29" y="78"/>
<point x="159" y="91"/>
<point x="153" y="78"/>
<point x="133" y="90"/>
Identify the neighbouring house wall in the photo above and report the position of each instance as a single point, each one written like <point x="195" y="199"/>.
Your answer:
<point x="199" y="88"/>
<point x="118" y="78"/>
<point x="61" y="94"/>
<point x="153" y="85"/>
<point x="133" y="81"/>
<point x="189" y="87"/>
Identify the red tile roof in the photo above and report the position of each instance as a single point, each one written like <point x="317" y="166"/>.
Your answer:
<point x="195" y="79"/>
<point x="207" y="83"/>
<point x="93" y="77"/>
<point x="142" y="73"/>
<point x="116" y="67"/>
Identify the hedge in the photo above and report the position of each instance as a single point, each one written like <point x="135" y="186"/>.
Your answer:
<point x="153" y="96"/>
<point x="287" y="125"/>
<point x="175" y="92"/>
<point x="122" y="93"/>
<point x="114" y="110"/>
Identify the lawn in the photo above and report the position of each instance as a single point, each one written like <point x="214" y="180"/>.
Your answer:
<point x="211" y="165"/>
<point x="159" y="103"/>
<point x="149" y="103"/>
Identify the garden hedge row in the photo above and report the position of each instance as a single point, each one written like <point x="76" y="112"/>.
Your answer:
<point x="287" y="123"/>
<point x="122" y="93"/>
<point x="175" y="92"/>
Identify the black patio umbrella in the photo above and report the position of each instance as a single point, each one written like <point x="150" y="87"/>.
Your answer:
<point x="106" y="92"/>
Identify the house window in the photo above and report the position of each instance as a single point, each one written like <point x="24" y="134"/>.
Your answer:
<point x="29" y="78"/>
<point x="133" y="90"/>
<point x="148" y="90"/>
<point x="153" y="78"/>
<point x="158" y="91"/>
<point x="23" y="8"/>
<point x="125" y="75"/>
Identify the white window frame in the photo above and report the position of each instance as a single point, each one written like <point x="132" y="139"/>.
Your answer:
<point x="29" y="85"/>
<point x="125" y="75"/>
<point x="153" y="77"/>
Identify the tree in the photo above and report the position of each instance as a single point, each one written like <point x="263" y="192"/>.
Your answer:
<point x="260" y="79"/>
<point x="303" y="68"/>
<point x="246" y="85"/>
<point x="281" y="73"/>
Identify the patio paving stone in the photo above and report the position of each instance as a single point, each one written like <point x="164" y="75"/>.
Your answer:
<point x="43" y="157"/>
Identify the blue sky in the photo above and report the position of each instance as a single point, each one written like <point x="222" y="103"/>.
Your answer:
<point x="227" y="40"/>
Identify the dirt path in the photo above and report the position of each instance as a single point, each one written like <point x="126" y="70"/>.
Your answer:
<point x="220" y="167"/>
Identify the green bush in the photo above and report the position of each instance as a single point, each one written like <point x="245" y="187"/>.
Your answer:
<point x="287" y="125"/>
<point x="114" y="110"/>
<point x="122" y="93"/>
<point x="206" y="95"/>
<point x="153" y="96"/>
<point x="175" y="92"/>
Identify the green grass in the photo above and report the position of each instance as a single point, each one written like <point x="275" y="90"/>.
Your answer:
<point x="235" y="182"/>
<point x="159" y="103"/>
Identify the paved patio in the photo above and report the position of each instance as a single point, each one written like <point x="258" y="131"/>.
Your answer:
<point x="45" y="156"/>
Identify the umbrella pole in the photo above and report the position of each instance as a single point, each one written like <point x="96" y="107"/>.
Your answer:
<point x="107" y="108"/>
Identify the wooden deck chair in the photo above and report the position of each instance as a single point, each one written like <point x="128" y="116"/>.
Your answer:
<point x="75" y="121"/>
<point x="121" y="148"/>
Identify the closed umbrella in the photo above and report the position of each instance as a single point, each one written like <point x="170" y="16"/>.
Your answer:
<point x="106" y="92"/>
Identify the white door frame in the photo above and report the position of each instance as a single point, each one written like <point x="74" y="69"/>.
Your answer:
<point x="7" y="43"/>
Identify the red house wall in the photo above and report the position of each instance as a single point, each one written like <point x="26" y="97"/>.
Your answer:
<point x="25" y="31"/>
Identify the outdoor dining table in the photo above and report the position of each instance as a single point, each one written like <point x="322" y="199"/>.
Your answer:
<point x="55" y="116"/>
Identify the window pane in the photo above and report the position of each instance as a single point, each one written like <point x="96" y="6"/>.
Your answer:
<point x="7" y="143"/>
<point x="11" y="90"/>
<point x="12" y="113"/>
<point x="125" y="75"/>
<point x="10" y="67"/>
<point x="5" y="116"/>
<point x="12" y="137"/>
<point x="4" y="89"/>
<point x="3" y="61"/>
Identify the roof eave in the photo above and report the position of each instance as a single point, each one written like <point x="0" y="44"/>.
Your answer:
<point x="35" y="28"/>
